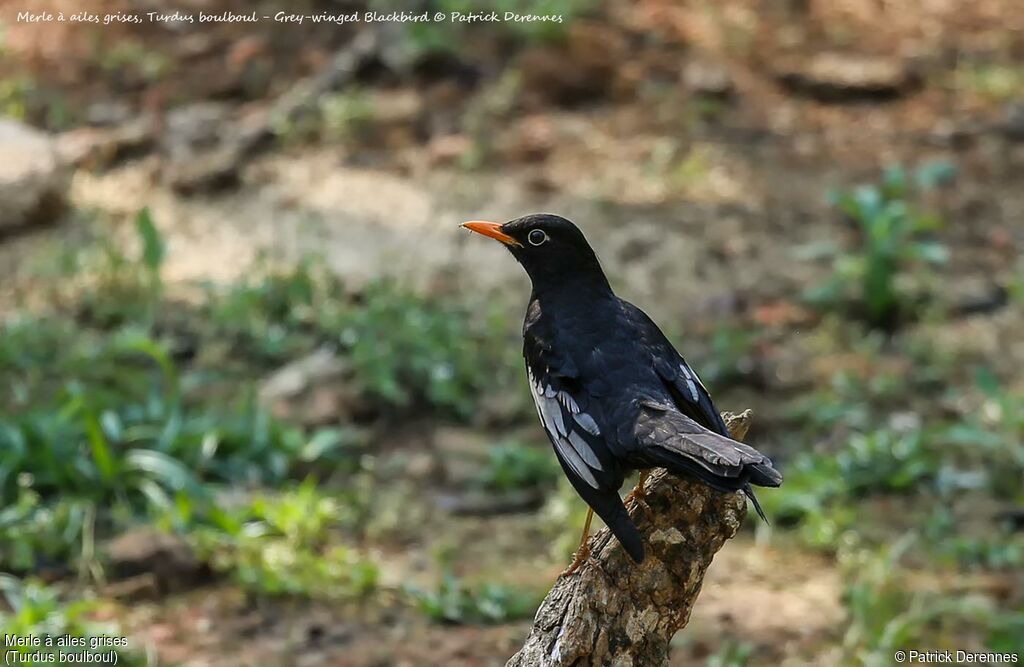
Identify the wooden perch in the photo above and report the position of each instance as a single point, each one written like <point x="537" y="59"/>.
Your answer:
<point x="614" y="612"/>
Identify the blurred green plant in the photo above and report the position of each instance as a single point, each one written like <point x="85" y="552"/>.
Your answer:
<point x="886" y="613"/>
<point x="131" y="57"/>
<point x="454" y="601"/>
<point x="410" y="350"/>
<point x="38" y="535"/>
<point x="36" y="610"/>
<point x="995" y="82"/>
<point x="563" y="515"/>
<point x="731" y="654"/>
<point x="730" y="359"/>
<point x="951" y="462"/>
<point x="273" y="314"/>
<point x="893" y="238"/>
<point x="287" y="544"/>
<point x="407" y="350"/>
<point x="120" y="433"/>
<point x="512" y="465"/>
<point x="344" y="115"/>
<point x="99" y="421"/>
<point x="14" y="97"/>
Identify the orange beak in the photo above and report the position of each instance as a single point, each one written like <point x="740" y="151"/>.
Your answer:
<point x="491" y="229"/>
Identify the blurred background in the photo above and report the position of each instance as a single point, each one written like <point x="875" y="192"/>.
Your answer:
<point x="262" y="401"/>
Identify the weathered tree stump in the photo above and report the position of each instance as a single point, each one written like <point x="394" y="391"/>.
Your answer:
<point x="615" y="612"/>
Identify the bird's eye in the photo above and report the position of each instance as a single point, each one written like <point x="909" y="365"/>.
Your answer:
<point x="537" y="237"/>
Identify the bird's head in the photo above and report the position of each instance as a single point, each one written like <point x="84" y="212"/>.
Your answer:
<point x="553" y="250"/>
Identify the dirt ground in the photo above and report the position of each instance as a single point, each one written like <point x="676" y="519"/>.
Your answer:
<point x="693" y="213"/>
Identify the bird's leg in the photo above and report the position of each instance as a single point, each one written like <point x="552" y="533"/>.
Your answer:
<point x="639" y="493"/>
<point x="584" y="550"/>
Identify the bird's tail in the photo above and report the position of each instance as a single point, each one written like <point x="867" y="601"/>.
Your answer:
<point x="760" y="474"/>
<point x="749" y="491"/>
<point x="626" y="532"/>
<point x="670" y="439"/>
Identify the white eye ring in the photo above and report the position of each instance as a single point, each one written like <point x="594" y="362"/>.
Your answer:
<point x="537" y="237"/>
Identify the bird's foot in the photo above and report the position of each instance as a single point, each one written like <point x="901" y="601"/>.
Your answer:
<point x="582" y="554"/>
<point x="639" y="492"/>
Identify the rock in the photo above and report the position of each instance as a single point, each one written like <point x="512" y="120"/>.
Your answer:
<point x="107" y="114"/>
<point x="1012" y="125"/>
<point x="708" y="79"/>
<point x="210" y="171"/>
<point x="100" y="148"/>
<point x="955" y="134"/>
<point x="397" y="119"/>
<point x="837" y="77"/>
<point x="448" y="149"/>
<point x="33" y="182"/>
<point x="403" y="107"/>
<point x="531" y="140"/>
<point x="147" y="554"/>
<point x="194" y="127"/>
<point x="314" y="391"/>
<point x="205" y="148"/>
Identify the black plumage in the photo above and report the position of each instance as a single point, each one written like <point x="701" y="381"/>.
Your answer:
<point x="612" y="392"/>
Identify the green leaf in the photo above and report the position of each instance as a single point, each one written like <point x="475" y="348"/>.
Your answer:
<point x="101" y="453"/>
<point x="152" y="241"/>
<point x="167" y="469"/>
<point x="935" y="174"/>
<point x="932" y="251"/>
<point x="142" y="344"/>
<point x="111" y="424"/>
<point x="324" y="441"/>
<point x="987" y="382"/>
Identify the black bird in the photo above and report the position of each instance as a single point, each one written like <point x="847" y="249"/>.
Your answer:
<point x="611" y="391"/>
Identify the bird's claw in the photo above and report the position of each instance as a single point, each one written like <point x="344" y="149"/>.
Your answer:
<point x="581" y="557"/>
<point x="638" y="494"/>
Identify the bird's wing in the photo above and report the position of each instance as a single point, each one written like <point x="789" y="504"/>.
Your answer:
<point x="574" y="425"/>
<point x="668" y="438"/>
<point x="569" y="420"/>
<point x="688" y="392"/>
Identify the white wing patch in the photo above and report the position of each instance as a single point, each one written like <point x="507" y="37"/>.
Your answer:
<point x="569" y="402"/>
<point x="575" y="462"/>
<point x="584" y="450"/>
<point x="588" y="423"/>
<point x="571" y="446"/>
<point x="690" y="384"/>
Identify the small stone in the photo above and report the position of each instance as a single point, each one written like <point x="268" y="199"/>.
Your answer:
<point x="396" y="107"/>
<point x="208" y="171"/>
<point x="448" y="148"/>
<point x="669" y="536"/>
<point x="194" y="127"/>
<point x="531" y="140"/>
<point x="315" y="390"/>
<point x="107" y="114"/>
<point x="708" y="79"/>
<point x="146" y="554"/>
<point x="1013" y="122"/>
<point x="837" y="77"/>
<point x="33" y="181"/>
<point x="205" y="148"/>
<point x="98" y="148"/>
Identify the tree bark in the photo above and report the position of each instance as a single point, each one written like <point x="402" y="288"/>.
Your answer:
<point x="615" y="612"/>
